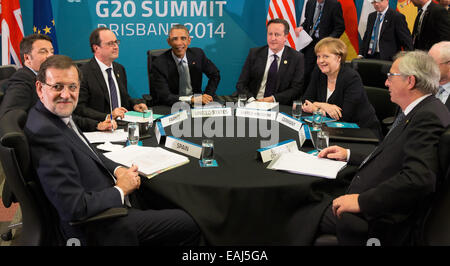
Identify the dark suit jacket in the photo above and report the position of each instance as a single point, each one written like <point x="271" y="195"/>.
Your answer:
<point x="165" y="78"/>
<point x="332" y="21"/>
<point x="401" y="172"/>
<point x="435" y="27"/>
<point x="76" y="182"/>
<point x="21" y="94"/>
<point x="394" y="35"/>
<point x="290" y="74"/>
<point x="349" y="94"/>
<point x="94" y="99"/>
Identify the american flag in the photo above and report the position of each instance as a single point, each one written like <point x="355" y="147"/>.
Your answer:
<point x="12" y="31"/>
<point x="284" y="9"/>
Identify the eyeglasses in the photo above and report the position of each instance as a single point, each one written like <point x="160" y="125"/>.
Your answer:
<point x="443" y="63"/>
<point x="113" y="43"/>
<point x="58" y="87"/>
<point x="389" y="75"/>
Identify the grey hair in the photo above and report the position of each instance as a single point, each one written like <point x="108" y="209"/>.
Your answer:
<point x="179" y="27"/>
<point x="422" y="66"/>
<point x="444" y="50"/>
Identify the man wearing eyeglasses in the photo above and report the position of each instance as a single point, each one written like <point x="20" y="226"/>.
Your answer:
<point x="176" y="75"/>
<point x="80" y="182"/>
<point x="441" y="55"/>
<point x="104" y="87"/>
<point x="394" y="185"/>
<point x="386" y="33"/>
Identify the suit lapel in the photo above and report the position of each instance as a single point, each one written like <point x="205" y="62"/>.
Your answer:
<point x="397" y="131"/>
<point x="284" y="66"/>
<point x="386" y="21"/>
<point x="100" y="79"/>
<point x="172" y="73"/>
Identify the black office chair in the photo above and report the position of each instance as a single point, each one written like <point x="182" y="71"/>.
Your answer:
<point x="384" y="108"/>
<point x="40" y="221"/>
<point x="6" y="72"/>
<point x="152" y="98"/>
<point x="372" y="71"/>
<point x="436" y="226"/>
<point x="81" y="62"/>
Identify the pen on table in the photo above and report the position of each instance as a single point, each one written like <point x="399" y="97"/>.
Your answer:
<point x="112" y="124"/>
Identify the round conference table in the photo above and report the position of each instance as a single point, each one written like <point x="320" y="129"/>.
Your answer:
<point x="241" y="202"/>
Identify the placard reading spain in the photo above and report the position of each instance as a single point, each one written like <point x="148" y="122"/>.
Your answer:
<point x="153" y="18"/>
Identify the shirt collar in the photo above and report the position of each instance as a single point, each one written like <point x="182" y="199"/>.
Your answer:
<point x="446" y="87"/>
<point x="414" y="104"/>
<point x="384" y="11"/>
<point x="424" y="7"/>
<point x="177" y="59"/>
<point x="66" y="119"/>
<point x="279" y="54"/>
<point x="103" y="67"/>
<point x="32" y="70"/>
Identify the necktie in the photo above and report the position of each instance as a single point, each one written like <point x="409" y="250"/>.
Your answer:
<point x="112" y="90"/>
<point x="441" y="93"/>
<point x="272" y="77"/>
<point x="374" y="39"/>
<point x="417" y="25"/>
<point x="72" y="125"/>
<point x="184" y="84"/>
<point x="400" y="117"/>
<point x="316" y="19"/>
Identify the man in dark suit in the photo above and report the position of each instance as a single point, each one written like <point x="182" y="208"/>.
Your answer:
<point x="431" y="26"/>
<point x="20" y="92"/>
<point x="323" y="18"/>
<point x="384" y="39"/>
<point x="177" y="74"/>
<point x="441" y="55"/>
<point x="80" y="182"/>
<point x="104" y="85"/>
<point x="393" y="186"/>
<point x="274" y="72"/>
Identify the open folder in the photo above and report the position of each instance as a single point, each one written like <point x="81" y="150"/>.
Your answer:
<point x="151" y="161"/>
<point x="299" y="162"/>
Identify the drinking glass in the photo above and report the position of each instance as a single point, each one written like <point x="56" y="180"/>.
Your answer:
<point x="317" y="119"/>
<point x="133" y="133"/>
<point x="207" y="151"/>
<point x="242" y="98"/>
<point x="322" y="140"/>
<point x="297" y="109"/>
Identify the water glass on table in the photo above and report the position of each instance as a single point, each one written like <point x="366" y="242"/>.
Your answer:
<point x="207" y="151"/>
<point x="242" y="99"/>
<point x="133" y="133"/>
<point x="297" y="109"/>
<point x="317" y="119"/>
<point x="322" y="140"/>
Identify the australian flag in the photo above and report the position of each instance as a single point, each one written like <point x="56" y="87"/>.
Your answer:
<point x="43" y="21"/>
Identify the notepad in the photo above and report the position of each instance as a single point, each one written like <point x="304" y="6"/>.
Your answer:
<point x="133" y="116"/>
<point x="151" y="161"/>
<point x="299" y="162"/>
<point x="261" y="105"/>
<point x="118" y="135"/>
<point x="342" y="125"/>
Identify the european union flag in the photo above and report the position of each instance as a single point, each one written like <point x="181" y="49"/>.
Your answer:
<point x="43" y="21"/>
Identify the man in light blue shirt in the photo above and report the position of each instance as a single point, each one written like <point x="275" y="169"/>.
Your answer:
<point x="441" y="55"/>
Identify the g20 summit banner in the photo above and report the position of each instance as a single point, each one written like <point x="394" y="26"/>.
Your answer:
<point x="224" y="29"/>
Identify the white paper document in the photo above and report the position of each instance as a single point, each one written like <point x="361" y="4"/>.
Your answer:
<point x="261" y="105"/>
<point x="303" y="40"/>
<point x="118" y="135"/>
<point x="299" y="162"/>
<point x="150" y="160"/>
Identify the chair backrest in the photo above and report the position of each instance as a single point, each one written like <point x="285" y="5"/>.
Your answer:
<point x="372" y="71"/>
<point x="6" y="72"/>
<point x="381" y="102"/>
<point x="81" y="62"/>
<point x="40" y="225"/>
<point x="436" y="229"/>
<point x="151" y="55"/>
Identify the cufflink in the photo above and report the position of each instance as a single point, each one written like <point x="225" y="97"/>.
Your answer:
<point x="285" y="62"/>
